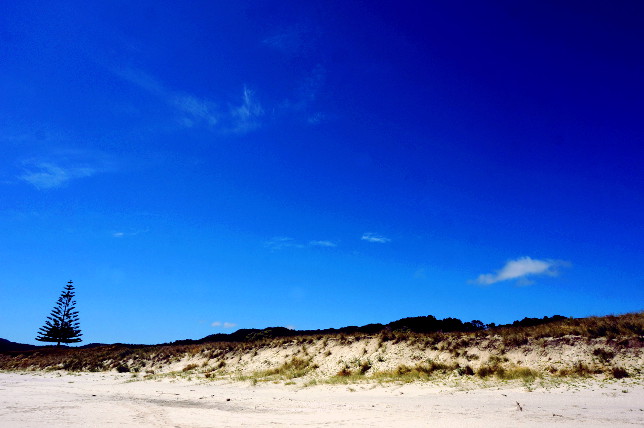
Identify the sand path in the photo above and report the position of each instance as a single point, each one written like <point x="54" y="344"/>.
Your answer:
<point x="102" y="400"/>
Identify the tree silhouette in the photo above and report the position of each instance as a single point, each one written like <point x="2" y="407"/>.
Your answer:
<point x="62" y="325"/>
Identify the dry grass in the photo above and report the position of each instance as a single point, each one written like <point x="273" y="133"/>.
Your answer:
<point x="296" y="367"/>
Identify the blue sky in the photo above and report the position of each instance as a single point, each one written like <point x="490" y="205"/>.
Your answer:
<point x="199" y="167"/>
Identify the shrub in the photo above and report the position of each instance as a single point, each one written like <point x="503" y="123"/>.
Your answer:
<point x="402" y="370"/>
<point x="518" y="373"/>
<point x="619" y="373"/>
<point x="465" y="371"/>
<point x="365" y="367"/>
<point x="578" y="369"/>
<point x="345" y="372"/>
<point x="604" y="355"/>
<point x="485" y="371"/>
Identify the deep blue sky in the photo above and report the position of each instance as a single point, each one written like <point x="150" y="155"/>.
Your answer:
<point x="197" y="167"/>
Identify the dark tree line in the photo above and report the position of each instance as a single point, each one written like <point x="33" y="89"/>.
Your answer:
<point x="422" y="324"/>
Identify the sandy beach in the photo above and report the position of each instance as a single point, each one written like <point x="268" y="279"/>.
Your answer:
<point x="107" y="399"/>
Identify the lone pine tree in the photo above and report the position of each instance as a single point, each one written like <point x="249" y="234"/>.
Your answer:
<point x="62" y="325"/>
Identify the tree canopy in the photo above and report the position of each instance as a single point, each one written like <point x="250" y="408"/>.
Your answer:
<point x="62" y="326"/>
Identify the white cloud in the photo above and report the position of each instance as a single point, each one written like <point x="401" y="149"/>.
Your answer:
<point x="246" y="116"/>
<point x="224" y="324"/>
<point x="374" y="237"/>
<point x="281" y="242"/>
<point x="49" y="175"/>
<point x="131" y="233"/>
<point x="195" y="110"/>
<point x="323" y="244"/>
<point x="520" y="268"/>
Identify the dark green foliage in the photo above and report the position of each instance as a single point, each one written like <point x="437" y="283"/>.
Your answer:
<point x="430" y="324"/>
<point x="62" y="326"/>
<point x="531" y="322"/>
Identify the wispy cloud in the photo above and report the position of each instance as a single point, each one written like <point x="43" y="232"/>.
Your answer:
<point x="121" y="234"/>
<point x="323" y="244"/>
<point x="224" y="324"/>
<point x="521" y="268"/>
<point x="47" y="175"/>
<point x="58" y="169"/>
<point x="374" y="237"/>
<point x="194" y="110"/>
<point x="283" y="242"/>
<point x="246" y="116"/>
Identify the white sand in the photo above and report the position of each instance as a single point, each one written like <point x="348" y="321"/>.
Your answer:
<point x="105" y="399"/>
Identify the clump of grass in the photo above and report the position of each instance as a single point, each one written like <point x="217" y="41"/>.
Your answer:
<point x="344" y="372"/>
<point x="364" y="367"/>
<point x="465" y="371"/>
<point x="510" y="373"/>
<point x="579" y="369"/>
<point x="190" y="367"/>
<point x="604" y="355"/>
<point x="422" y="371"/>
<point x="523" y="373"/>
<point x="497" y="359"/>
<point x="489" y="370"/>
<point x="294" y="368"/>
<point x="619" y="373"/>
